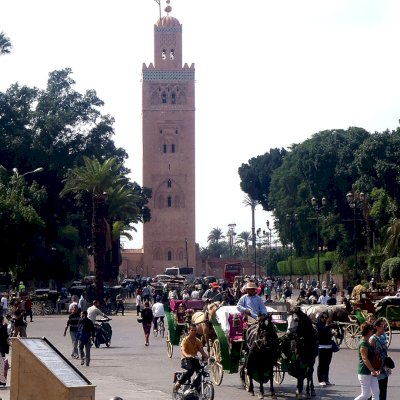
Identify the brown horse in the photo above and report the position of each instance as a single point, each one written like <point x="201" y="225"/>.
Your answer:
<point x="202" y="320"/>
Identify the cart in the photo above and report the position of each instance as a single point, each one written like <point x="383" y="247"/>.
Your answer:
<point x="382" y="305"/>
<point x="229" y="347"/>
<point x="178" y="314"/>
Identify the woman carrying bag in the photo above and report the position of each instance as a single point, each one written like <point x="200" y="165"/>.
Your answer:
<point x="378" y="342"/>
<point x="367" y="373"/>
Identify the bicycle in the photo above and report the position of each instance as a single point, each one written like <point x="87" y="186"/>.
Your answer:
<point x="160" y="331"/>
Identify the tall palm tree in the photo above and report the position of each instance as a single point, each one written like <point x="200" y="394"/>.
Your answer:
<point x="5" y="44"/>
<point x="215" y="235"/>
<point x="244" y="237"/>
<point x="249" y="202"/>
<point x="96" y="178"/>
<point x="122" y="207"/>
<point x="392" y="239"/>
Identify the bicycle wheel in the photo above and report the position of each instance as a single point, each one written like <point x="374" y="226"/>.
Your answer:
<point x="208" y="391"/>
<point x="162" y="329"/>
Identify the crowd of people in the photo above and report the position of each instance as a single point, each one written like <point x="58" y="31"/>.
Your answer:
<point x="251" y="298"/>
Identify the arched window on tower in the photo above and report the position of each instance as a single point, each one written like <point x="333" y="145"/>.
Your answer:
<point x="169" y="201"/>
<point x="169" y="182"/>
<point x="172" y="148"/>
<point x="173" y="98"/>
<point x="169" y="255"/>
<point x="164" y="98"/>
<point x="164" y="148"/>
<point x="172" y="54"/>
<point x="163" y="55"/>
<point x="157" y="254"/>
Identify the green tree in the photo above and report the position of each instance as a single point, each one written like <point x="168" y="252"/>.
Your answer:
<point x="256" y="175"/>
<point x="22" y="227"/>
<point x="96" y="178"/>
<point x="55" y="128"/>
<point x="392" y="239"/>
<point x="5" y="44"/>
<point x="215" y="235"/>
<point x="244" y="238"/>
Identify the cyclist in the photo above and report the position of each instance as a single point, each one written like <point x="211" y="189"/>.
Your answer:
<point x="190" y="346"/>
<point x="158" y="312"/>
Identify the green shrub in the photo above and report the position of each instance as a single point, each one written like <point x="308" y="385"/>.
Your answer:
<point x="283" y="268"/>
<point x="385" y="270"/>
<point x="394" y="267"/>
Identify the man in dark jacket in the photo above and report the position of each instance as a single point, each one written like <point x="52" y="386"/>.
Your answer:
<point x="86" y="334"/>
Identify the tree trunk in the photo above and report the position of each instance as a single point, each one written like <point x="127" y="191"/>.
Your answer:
<point x="99" y="243"/>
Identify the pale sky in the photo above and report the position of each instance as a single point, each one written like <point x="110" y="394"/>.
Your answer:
<point x="268" y="74"/>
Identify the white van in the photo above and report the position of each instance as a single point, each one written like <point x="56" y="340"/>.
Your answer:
<point x="187" y="272"/>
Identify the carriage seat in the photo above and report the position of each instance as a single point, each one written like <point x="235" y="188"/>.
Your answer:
<point x="194" y="304"/>
<point x="231" y="321"/>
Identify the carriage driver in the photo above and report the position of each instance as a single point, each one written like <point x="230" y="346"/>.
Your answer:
<point x="250" y="304"/>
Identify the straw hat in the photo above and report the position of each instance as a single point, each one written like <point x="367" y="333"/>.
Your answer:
<point x="251" y="285"/>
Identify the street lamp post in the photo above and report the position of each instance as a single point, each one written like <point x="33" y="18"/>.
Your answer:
<point x="231" y="234"/>
<point x="18" y="175"/>
<point x="291" y="219"/>
<point x="355" y="200"/>
<point x="270" y="248"/>
<point x="186" y="249"/>
<point x="318" y="206"/>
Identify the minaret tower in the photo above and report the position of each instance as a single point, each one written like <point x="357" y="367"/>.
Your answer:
<point x="168" y="101"/>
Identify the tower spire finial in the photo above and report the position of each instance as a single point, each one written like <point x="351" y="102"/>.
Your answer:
<point x="168" y="9"/>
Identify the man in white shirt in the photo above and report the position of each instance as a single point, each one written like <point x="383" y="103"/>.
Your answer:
<point x="93" y="311"/>
<point x="4" y="304"/>
<point x="323" y="299"/>
<point x="74" y="302"/>
<point x="158" y="313"/>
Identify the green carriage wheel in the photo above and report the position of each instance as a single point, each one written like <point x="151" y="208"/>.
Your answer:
<point x="170" y="346"/>
<point x="279" y="375"/>
<point x="352" y="336"/>
<point x="217" y="370"/>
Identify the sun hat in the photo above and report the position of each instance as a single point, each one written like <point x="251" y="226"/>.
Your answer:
<point x="251" y="285"/>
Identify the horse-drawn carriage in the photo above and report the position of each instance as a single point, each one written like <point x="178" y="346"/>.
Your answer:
<point x="381" y="305"/>
<point x="179" y="314"/>
<point x="229" y="347"/>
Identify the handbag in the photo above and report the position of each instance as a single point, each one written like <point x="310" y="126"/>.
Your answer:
<point x="140" y="320"/>
<point x="388" y="362"/>
<point x="335" y="347"/>
<point x="376" y="361"/>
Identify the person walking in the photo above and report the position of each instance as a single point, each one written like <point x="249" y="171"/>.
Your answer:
<point x="120" y="304"/>
<point x="324" y="349"/>
<point x="367" y="374"/>
<point x="83" y="304"/>
<point x="85" y="335"/>
<point x="138" y="303"/>
<point x="28" y="308"/>
<point x="72" y="324"/>
<point x="147" y="318"/>
<point x="4" y="304"/>
<point x="4" y="349"/>
<point x="378" y="342"/>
